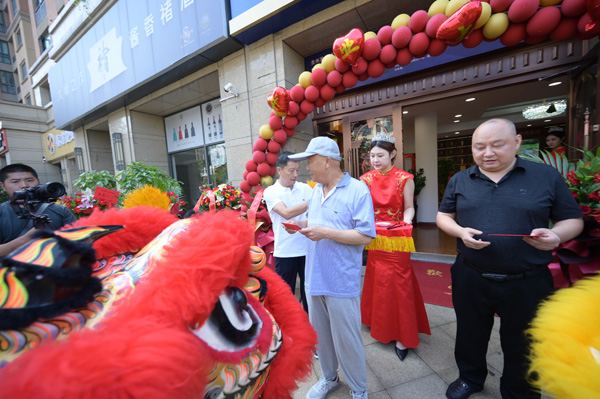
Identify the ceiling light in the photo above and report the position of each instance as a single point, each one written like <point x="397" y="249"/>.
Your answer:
<point x="456" y="132"/>
<point x="529" y="125"/>
<point x="405" y="112"/>
<point x="554" y="84"/>
<point x="548" y="120"/>
<point x="470" y="99"/>
<point x="543" y="110"/>
<point x="457" y="116"/>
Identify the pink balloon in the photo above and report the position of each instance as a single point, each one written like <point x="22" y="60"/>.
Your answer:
<point x="258" y="156"/>
<point x="515" y="34"/>
<point x="320" y="102"/>
<point x="566" y="29"/>
<point x="521" y="10"/>
<point x="327" y="92"/>
<point x="260" y="144"/>
<point x="318" y="77"/>
<point x="376" y="69"/>
<point x="340" y="89"/>
<point x="334" y="78"/>
<point x="275" y="122"/>
<point x="434" y="24"/>
<point x="263" y="169"/>
<point x="543" y="22"/>
<point x="387" y="54"/>
<point x="307" y="107"/>
<point x="361" y="66"/>
<point x="288" y="131"/>
<point x="371" y="49"/>
<point x="253" y="178"/>
<point x="272" y="170"/>
<point x="349" y="79"/>
<point x="418" y="21"/>
<point x="473" y="39"/>
<point x="362" y="77"/>
<point x="419" y="44"/>
<point x="272" y="156"/>
<point x="404" y="57"/>
<point x="245" y="186"/>
<point x="297" y="93"/>
<point x="311" y="93"/>
<point x="500" y="5"/>
<point x="385" y="35"/>
<point x="290" y="121"/>
<point x="251" y="166"/>
<point x="294" y="108"/>
<point x="281" y="135"/>
<point x="401" y="37"/>
<point x="573" y="8"/>
<point x="436" y="47"/>
<point x="301" y="116"/>
<point x="273" y="147"/>
<point x="341" y="66"/>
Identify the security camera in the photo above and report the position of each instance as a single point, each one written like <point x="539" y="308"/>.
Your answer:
<point x="228" y="87"/>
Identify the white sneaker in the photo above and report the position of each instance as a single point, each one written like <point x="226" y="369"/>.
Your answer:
<point x="361" y="395"/>
<point x="322" y="388"/>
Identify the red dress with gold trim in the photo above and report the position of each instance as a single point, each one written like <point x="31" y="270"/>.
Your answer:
<point x="392" y="304"/>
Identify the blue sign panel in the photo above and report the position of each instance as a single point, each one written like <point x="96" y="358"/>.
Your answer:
<point x="451" y="54"/>
<point x="133" y="42"/>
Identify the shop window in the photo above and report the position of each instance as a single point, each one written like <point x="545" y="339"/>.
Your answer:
<point x="4" y="52"/>
<point x="361" y="134"/>
<point x="7" y="83"/>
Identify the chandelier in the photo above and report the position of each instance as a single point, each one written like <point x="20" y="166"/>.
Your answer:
<point x="545" y="110"/>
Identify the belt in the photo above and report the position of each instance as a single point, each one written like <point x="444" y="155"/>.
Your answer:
<point x="500" y="277"/>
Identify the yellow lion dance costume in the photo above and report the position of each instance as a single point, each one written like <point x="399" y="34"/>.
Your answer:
<point x="565" y="359"/>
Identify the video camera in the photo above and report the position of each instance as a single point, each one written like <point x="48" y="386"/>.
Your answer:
<point x="23" y="201"/>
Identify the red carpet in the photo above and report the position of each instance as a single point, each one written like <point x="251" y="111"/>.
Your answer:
<point x="435" y="282"/>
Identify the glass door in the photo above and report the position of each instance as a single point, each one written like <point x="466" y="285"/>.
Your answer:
<point x="361" y="135"/>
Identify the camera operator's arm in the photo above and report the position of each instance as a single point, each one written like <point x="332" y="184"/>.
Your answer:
<point x="10" y="246"/>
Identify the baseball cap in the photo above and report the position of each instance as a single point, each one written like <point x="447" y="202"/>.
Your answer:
<point x="319" y="146"/>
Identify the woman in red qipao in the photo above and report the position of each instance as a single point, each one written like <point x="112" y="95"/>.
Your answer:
<point x="392" y="304"/>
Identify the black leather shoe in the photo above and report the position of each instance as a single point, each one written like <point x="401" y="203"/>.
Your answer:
<point x="402" y="353"/>
<point x="460" y="390"/>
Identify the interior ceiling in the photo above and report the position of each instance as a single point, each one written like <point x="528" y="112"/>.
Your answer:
<point x="506" y="102"/>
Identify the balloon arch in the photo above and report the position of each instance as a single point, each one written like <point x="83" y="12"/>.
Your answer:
<point x="357" y="56"/>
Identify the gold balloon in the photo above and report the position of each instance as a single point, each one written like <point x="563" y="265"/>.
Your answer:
<point x="496" y="26"/>
<point x="266" y="132"/>
<point x="318" y="66"/>
<point x="400" y="20"/>
<point x="304" y="79"/>
<point x="486" y="12"/>
<point x="370" y="35"/>
<point x="437" y="7"/>
<point x="454" y="5"/>
<point x="266" y="180"/>
<point x="328" y="62"/>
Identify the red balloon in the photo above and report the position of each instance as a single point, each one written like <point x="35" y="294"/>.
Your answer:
<point x="318" y="77"/>
<point x="272" y="156"/>
<point x="294" y="108"/>
<point x="334" y="79"/>
<point x="340" y="89"/>
<point x="371" y="49"/>
<point x="273" y="147"/>
<point x="360" y="67"/>
<point x="385" y="35"/>
<point x="418" y="21"/>
<point x="521" y="10"/>
<point x="272" y="171"/>
<point x="288" y="131"/>
<point x="281" y="135"/>
<point x="327" y="92"/>
<point x="307" y="107"/>
<point x="263" y="169"/>
<point x="341" y="66"/>
<point x="419" y="44"/>
<point x="573" y="8"/>
<point x="258" y="156"/>
<point x="275" y="121"/>
<point x="375" y="69"/>
<point x="514" y="34"/>
<point x="348" y="48"/>
<point x="260" y="144"/>
<point x="434" y="24"/>
<point x="473" y="39"/>
<point x="297" y="93"/>
<point x="543" y="22"/>
<point x="534" y="40"/>
<point x="401" y="37"/>
<point x="390" y="65"/>
<point x="387" y="54"/>
<point x="320" y="102"/>
<point x="253" y="178"/>
<point x="311" y="93"/>
<point x="245" y="174"/>
<point x="251" y="165"/>
<point x="301" y="116"/>
<point x="436" y="47"/>
<point x="349" y="79"/>
<point x="500" y="5"/>
<point x="290" y="122"/>
<point x="279" y="101"/>
<point x="586" y="27"/>
<point x="363" y="77"/>
<point x="593" y="8"/>
<point x="460" y="24"/>
<point x="404" y="57"/>
<point x="566" y="29"/>
<point x="245" y="186"/>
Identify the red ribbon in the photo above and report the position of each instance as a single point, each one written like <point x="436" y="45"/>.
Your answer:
<point x="252" y="211"/>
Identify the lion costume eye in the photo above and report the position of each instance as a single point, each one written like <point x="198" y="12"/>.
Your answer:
<point x="233" y="324"/>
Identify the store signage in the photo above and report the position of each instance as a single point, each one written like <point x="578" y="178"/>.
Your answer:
<point x="133" y="42"/>
<point x="3" y="142"/>
<point x="58" y="143"/>
<point x="184" y="130"/>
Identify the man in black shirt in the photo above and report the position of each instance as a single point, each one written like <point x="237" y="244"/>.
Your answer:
<point x="505" y="274"/>
<point x="15" y="232"/>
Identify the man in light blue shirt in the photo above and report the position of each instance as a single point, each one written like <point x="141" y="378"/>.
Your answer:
<point x="340" y="223"/>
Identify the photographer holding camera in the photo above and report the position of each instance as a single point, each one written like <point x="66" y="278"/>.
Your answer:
<point x="31" y="200"/>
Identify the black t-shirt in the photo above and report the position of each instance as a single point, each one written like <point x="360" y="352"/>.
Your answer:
<point x="12" y="227"/>
<point x="527" y="197"/>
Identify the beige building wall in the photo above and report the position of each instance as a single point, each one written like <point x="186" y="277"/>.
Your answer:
<point x="149" y="139"/>
<point x="99" y="150"/>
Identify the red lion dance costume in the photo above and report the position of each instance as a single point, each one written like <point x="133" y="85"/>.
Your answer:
<point x="161" y="308"/>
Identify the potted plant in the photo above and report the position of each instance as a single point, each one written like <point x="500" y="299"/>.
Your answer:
<point x="419" y="179"/>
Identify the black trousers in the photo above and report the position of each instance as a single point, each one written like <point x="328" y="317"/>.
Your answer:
<point x="475" y="301"/>
<point x="288" y="269"/>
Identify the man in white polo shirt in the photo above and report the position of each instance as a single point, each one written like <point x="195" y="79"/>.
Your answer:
<point x="287" y="199"/>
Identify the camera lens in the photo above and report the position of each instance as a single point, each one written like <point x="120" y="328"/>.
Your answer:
<point x="55" y="189"/>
